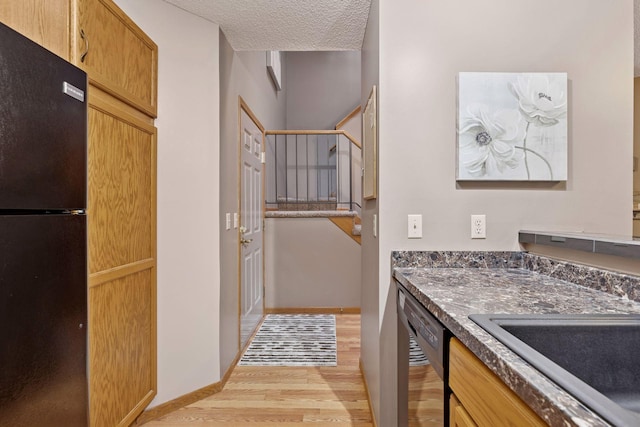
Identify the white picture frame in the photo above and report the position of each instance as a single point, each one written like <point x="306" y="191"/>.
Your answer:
<point x="370" y="148"/>
<point x="512" y="127"/>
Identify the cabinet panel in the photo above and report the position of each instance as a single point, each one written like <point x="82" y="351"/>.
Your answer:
<point x="46" y="22"/>
<point x="122" y="348"/>
<point x="122" y="175"/>
<point x="484" y="396"/>
<point x="122" y="262"/>
<point x="459" y="416"/>
<point x="120" y="58"/>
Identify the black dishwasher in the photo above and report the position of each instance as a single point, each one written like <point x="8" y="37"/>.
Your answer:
<point x="423" y="390"/>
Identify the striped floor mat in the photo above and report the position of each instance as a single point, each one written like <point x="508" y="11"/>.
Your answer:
<point x="293" y="340"/>
<point x="416" y="356"/>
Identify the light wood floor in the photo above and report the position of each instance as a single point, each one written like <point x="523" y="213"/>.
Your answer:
<point x="287" y="396"/>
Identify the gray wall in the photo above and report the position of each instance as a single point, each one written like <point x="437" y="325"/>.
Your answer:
<point x="636" y="153"/>
<point x="241" y="74"/>
<point x="322" y="88"/>
<point x="423" y="45"/>
<point x="310" y="262"/>
<point x="370" y="305"/>
<point x="636" y="138"/>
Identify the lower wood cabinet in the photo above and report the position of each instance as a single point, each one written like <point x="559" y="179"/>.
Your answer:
<point x="459" y="417"/>
<point x="122" y="261"/>
<point x="480" y="397"/>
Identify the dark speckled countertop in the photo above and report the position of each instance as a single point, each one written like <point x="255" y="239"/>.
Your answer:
<point x="453" y="285"/>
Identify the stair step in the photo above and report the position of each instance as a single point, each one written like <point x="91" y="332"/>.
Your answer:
<point x="311" y="214"/>
<point x="357" y="230"/>
<point x="345" y="223"/>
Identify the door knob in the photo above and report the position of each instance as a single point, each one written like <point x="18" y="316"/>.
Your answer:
<point x="246" y="241"/>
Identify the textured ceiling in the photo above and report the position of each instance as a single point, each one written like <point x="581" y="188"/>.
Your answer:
<point x="304" y="24"/>
<point x="285" y="24"/>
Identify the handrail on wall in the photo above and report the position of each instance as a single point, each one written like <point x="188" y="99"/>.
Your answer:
<point x="349" y="116"/>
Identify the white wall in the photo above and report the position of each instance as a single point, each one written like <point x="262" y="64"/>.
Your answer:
<point x="188" y="159"/>
<point x="423" y="45"/>
<point x="322" y="88"/>
<point x="310" y="262"/>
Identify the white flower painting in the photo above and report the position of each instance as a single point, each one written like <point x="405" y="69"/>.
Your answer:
<point x="512" y="126"/>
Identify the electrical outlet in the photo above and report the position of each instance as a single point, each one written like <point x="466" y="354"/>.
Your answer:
<point x="478" y="226"/>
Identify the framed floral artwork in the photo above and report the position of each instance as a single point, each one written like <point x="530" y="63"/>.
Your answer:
<point x="512" y="127"/>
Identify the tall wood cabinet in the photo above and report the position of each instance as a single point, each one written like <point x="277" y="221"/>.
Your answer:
<point x="121" y="63"/>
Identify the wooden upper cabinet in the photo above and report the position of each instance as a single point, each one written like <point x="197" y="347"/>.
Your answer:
<point x="97" y="36"/>
<point x="116" y="54"/>
<point x="46" y="22"/>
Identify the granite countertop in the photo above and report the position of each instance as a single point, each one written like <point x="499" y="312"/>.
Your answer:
<point x="452" y="294"/>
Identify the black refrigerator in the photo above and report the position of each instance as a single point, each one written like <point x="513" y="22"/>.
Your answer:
<point x="43" y="237"/>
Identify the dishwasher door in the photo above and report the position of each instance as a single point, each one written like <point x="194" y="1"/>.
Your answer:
<point x="423" y="392"/>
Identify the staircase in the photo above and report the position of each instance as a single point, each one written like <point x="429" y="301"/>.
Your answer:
<point x="351" y="225"/>
<point x="347" y="221"/>
<point x="291" y="204"/>
<point x="316" y="174"/>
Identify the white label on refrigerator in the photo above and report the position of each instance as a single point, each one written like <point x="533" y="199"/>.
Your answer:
<point x="73" y="91"/>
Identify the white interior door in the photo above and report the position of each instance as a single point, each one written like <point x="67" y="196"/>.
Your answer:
<point x="251" y="269"/>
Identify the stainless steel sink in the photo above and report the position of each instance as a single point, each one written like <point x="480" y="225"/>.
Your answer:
<point x="596" y="358"/>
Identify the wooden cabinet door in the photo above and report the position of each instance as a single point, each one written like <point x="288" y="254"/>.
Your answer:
<point x="486" y="399"/>
<point x="122" y="263"/>
<point x="46" y="22"/>
<point x="116" y="54"/>
<point x="459" y="417"/>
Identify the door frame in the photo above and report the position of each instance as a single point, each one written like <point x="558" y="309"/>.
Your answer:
<point x="244" y="107"/>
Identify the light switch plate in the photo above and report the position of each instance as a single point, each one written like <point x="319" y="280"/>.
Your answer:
<point x="228" y="221"/>
<point x="235" y="220"/>
<point x="375" y="225"/>
<point x="414" y="226"/>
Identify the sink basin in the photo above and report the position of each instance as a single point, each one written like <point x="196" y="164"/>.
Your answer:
<point x="596" y="358"/>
